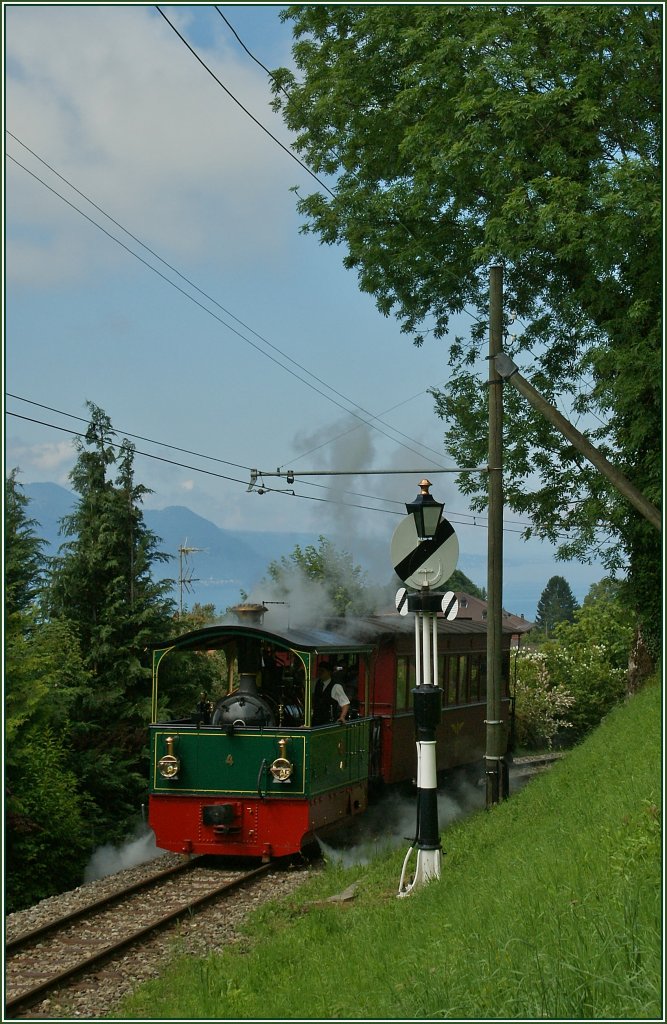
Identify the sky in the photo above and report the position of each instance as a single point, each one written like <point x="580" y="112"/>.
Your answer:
<point x="188" y="304"/>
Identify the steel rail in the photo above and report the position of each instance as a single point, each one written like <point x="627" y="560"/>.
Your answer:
<point x="25" y="938"/>
<point x="30" y="996"/>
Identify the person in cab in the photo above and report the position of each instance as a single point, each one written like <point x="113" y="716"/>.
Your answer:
<point x="330" y="702"/>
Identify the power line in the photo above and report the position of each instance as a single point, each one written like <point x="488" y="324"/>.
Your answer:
<point x="221" y="476"/>
<point x="164" y="444"/>
<point x="244" y="109"/>
<point x="209" y="472"/>
<point x="139" y="437"/>
<point x="198" y="469"/>
<point x="405" y="227"/>
<point x="146" y="263"/>
<point x="148" y="455"/>
<point x="250" y="54"/>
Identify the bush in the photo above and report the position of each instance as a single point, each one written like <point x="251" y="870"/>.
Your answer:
<point x="574" y="679"/>
<point x="596" y="685"/>
<point x="541" y="707"/>
<point x="48" y="841"/>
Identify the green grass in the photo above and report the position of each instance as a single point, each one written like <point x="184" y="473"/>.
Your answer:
<point x="548" y="906"/>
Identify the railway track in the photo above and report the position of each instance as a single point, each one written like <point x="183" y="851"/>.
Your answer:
<point x="65" y="949"/>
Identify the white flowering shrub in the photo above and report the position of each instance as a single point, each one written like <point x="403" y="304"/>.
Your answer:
<point x="541" y="708"/>
<point x="573" y="679"/>
<point x="588" y="673"/>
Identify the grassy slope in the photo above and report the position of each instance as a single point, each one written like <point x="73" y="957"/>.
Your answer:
<point x="549" y="906"/>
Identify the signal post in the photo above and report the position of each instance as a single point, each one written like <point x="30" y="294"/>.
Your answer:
<point x="425" y="553"/>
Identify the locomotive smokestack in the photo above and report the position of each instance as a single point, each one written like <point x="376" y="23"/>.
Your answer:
<point x="248" y="684"/>
<point x="249" y="614"/>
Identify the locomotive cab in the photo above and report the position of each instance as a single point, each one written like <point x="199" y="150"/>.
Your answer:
<point x="252" y="777"/>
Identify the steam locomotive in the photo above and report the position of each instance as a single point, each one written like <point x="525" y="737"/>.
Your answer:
<point x="249" y="774"/>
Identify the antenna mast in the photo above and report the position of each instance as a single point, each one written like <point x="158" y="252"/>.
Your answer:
<point x="185" y="580"/>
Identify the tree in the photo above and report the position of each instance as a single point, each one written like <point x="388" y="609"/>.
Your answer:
<point x="102" y="585"/>
<point x="463" y="135"/>
<point x="579" y="672"/>
<point x="45" y="810"/>
<point x="198" y="616"/>
<point x="541" y="706"/>
<point x="320" y="582"/>
<point x="589" y="656"/>
<point x="459" y="581"/>
<point x="557" y="604"/>
<point x="24" y="556"/>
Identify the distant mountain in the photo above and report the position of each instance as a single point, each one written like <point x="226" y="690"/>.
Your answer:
<point x="220" y="564"/>
<point x="48" y="504"/>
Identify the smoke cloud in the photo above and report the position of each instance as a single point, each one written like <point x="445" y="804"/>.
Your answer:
<point x="392" y="822"/>
<point x="107" y="860"/>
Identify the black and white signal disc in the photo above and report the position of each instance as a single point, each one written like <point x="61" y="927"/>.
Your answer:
<point x="424" y="562"/>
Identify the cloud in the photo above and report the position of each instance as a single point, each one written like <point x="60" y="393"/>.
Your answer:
<point x="55" y="459"/>
<point x="187" y="485"/>
<point x="113" y="100"/>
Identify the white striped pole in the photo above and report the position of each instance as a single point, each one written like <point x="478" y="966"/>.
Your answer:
<point x="427" y="704"/>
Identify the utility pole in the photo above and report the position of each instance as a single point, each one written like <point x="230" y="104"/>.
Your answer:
<point x="496" y="767"/>
<point x="510" y="372"/>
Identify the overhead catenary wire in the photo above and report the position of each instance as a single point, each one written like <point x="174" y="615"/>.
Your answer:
<point x="177" y="448"/>
<point x="207" y="472"/>
<point x="250" y="53"/>
<point x="212" y="458"/>
<point x="371" y="422"/>
<point x="288" y="491"/>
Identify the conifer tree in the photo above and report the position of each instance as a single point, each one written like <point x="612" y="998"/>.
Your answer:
<point x="44" y="806"/>
<point x="557" y="603"/>
<point x="24" y="557"/>
<point x="102" y="585"/>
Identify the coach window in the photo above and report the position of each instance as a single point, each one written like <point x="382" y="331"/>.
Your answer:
<point x="453" y="679"/>
<point x="404" y="682"/>
<point x="482" y="677"/>
<point x="463" y="679"/>
<point x="474" y="678"/>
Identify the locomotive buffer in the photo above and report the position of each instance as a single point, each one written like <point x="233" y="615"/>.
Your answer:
<point x="423" y="562"/>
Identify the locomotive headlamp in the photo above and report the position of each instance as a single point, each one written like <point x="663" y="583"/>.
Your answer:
<point x="426" y="510"/>
<point x="282" y="768"/>
<point x="168" y="766"/>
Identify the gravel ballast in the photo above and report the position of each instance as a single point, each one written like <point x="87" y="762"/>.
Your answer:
<point x="95" y="997"/>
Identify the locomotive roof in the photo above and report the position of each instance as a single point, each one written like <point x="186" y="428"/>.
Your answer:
<point x="302" y="639"/>
<point x="354" y="635"/>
